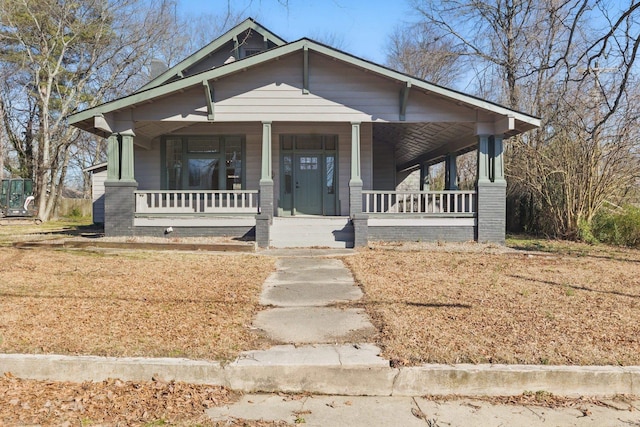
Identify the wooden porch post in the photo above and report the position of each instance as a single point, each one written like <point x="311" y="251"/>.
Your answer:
<point x="355" y="183"/>
<point x="425" y="178"/>
<point x="483" y="158"/>
<point x="113" y="158"/>
<point x="120" y="186"/>
<point x="451" y="172"/>
<point x="126" y="156"/>
<point x="266" y="177"/>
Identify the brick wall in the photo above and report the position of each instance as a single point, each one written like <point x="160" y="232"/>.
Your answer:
<point x="492" y="212"/>
<point x="424" y="234"/>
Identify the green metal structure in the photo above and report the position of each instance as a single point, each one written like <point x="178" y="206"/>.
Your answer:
<point x="16" y="198"/>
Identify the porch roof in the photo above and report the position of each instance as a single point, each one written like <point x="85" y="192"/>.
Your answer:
<point x="414" y="142"/>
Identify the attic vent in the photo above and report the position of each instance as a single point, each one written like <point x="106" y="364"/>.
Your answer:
<point x="249" y="51"/>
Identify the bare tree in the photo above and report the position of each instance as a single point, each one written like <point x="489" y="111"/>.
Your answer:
<point x="424" y="52"/>
<point x="69" y="55"/>
<point x="549" y="58"/>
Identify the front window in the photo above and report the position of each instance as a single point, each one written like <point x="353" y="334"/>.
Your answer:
<point x="203" y="163"/>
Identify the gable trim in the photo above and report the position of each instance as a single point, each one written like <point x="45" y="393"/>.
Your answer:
<point x="232" y="34"/>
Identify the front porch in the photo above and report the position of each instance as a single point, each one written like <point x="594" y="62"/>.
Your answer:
<point x="386" y="215"/>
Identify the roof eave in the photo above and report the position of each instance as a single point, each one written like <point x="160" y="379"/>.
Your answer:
<point x="529" y="121"/>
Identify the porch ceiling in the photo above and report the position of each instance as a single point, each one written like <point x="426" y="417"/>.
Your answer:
<point x="425" y="142"/>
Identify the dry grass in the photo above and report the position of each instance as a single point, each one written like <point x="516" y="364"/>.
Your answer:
<point x="573" y="305"/>
<point x="129" y="303"/>
<point x="111" y="402"/>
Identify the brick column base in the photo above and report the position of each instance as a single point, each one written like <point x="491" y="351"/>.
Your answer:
<point x="492" y="212"/>
<point x="360" y="230"/>
<point x="119" y="208"/>
<point x="263" y="235"/>
<point x="266" y="197"/>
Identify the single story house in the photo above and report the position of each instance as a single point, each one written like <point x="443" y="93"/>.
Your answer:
<point x="251" y="133"/>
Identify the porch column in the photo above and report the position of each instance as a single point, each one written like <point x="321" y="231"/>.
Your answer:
<point x="358" y="219"/>
<point x="264" y="218"/>
<point x="120" y="186"/>
<point x="492" y="190"/>
<point x="483" y="158"/>
<point x="425" y="178"/>
<point x="450" y="172"/>
<point x="355" y="183"/>
<point x="126" y="155"/>
<point x="113" y="158"/>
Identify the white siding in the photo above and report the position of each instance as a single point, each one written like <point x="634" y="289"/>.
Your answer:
<point x="97" y="195"/>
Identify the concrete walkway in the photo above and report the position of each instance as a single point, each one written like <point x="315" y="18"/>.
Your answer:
<point x="300" y="294"/>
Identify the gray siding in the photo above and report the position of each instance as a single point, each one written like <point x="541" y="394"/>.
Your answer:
<point x="384" y="166"/>
<point x="338" y="92"/>
<point x="245" y="233"/>
<point x="147" y="167"/>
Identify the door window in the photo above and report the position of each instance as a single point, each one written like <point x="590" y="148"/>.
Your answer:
<point x="308" y="163"/>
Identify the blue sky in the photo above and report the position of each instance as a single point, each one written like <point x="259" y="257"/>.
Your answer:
<point x="362" y="26"/>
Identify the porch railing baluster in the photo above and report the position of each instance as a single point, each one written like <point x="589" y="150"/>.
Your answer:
<point x="186" y="202"/>
<point x="419" y="202"/>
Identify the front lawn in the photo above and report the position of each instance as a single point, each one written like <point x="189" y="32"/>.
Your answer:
<point x="129" y="303"/>
<point x="564" y="304"/>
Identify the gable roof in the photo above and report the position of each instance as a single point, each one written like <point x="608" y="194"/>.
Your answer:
<point x="247" y="25"/>
<point x="81" y="119"/>
<point x="96" y="168"/>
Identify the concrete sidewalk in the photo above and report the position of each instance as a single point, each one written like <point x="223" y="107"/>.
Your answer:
<point x="362" y="411"/>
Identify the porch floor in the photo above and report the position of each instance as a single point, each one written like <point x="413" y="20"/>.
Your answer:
<point x="311" y="231"/>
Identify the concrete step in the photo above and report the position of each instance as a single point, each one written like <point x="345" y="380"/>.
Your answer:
<point x="305" y="232"/>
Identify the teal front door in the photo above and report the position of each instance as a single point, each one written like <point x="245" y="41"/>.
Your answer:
<point x="308" y="184"/>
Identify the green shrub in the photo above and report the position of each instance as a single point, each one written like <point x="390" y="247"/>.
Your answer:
<point x="585" y="232"/>
<point x="75" y="213"/>
<point x="621" y="227"/>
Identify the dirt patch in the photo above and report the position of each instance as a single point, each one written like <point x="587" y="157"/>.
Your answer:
<point x="130" y="303"/>
<point x="579" y="306"/>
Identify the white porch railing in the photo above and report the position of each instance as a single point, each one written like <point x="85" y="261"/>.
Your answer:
<point x="421" y="202"/>
<point x="175" y="202"/>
